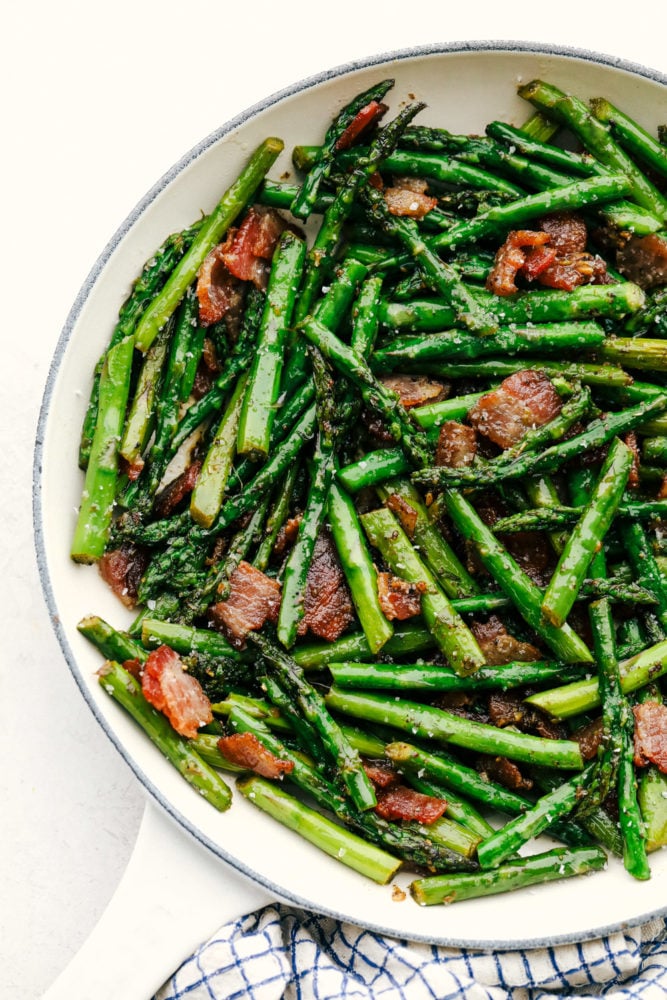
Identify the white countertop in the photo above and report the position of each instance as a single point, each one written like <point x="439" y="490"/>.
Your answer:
<point x="101" y="102"/>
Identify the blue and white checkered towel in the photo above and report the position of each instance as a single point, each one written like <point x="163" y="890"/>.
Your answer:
<point x="281" y="952"/>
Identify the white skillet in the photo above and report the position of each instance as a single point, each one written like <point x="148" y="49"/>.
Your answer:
<point x="221" y="865"/>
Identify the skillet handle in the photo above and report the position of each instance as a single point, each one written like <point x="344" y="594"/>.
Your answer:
<point x="173" y="895"/>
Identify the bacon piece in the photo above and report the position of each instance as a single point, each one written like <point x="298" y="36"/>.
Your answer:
<point x="643" y="259"/>
<point x="405" y="513"/>
<point x="499" y="646"/>
<point x="246" y="750"/>
<point x="286" y="536"/>
<point x="524" y="400"/>
<point x="415" y="390"/>
<point x="175" y="693"/>
<point x="536" y="261"/>
<point x="218" y="291"/>
<point x="250" y="247"/>
<point x="588" y="737"/>
<point x="134" y="667"/>
<point x="405" y="803"/>
<point x="122" y="569"/>
<point x="254" y="599"/>
<point x="651" y="734"/>
<point x="504" y="771"/>
<point x="510" y="258"/>
<point x="328" y="606"/>
<point x="367" y="116"/>
<point x="555" y="256"/>
<point x="457" y="445"/>
<point x="381" y="774"/>
<point x="398" y="598"/>
<point x="177" y="490"/>
<point x="571" y="270"/>
<point x="506" y="708"/>
<point x="407" y="197"/>
<point x="567" y="232"/>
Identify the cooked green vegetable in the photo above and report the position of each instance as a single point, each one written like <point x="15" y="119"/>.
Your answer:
<point x="407" y="462"/>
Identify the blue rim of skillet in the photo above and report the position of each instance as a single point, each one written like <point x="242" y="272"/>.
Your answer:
<point x="156" y="794"/>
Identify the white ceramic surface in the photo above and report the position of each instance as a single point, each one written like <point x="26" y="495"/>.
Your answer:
<point x="463" y="90"/>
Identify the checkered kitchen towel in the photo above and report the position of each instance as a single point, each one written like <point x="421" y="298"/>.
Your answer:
<point x="280" y="952"/>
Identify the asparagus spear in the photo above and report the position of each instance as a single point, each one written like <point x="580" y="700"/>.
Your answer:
<point x="358" y="568"/>
<point x="122" y="686"/>
<point x="292" y="605"/>
<point x="96" y="509"/>
<point x="261" y="395"/>
<point x="597" y="433"/>
<point x="588" y="534"/>
<point x="313" y="707"/>
<point x="596" y="138"/>
<point x="543" y="306"/>
<point x="517" y="874"/>
<point x="212" y="229"/>
<point x="434" y="723"/>
<point x="569" y="700"/>
<point x="552" y="806"/>
<point x="334" y="840"/>
<point x="153" y="275"/>
<point x="441" y="277"/>
<point x="455" y="345"/>
<point x="428" y="677"/>
<point x="449" y="630"/>
<point x="112" y="644"/>
<point x="408" y="841"/>
<point x="526" y="596"/>
<point x="209" y="490"/>
<point x="319" y="170"/>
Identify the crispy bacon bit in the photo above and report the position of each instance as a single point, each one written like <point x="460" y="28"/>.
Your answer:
<point x="566" y="231"/>
<point x="122" y="570"/>
<point x="254" y="599"/>
<point x="522" y="401"/>
<point x="505" y="772"/>
<point x="286" y="536"/>
<point x="174" y="692"/>
<point x="398" y="598"/>
<point x="510" y="258"/>
<point x="536" y="261"/>
<point x="588" y="737"/>
<point x="457" y="445"/>
<point x="177" y="490"/>
<point x="327" y="602"/>
<point x="134" y="667"/>
<point x="555" y="256"/>
<point x="643" y="259"/>
<point x="415" y="390"/>
<point x="499" y="646"/>
<point x="369" y="114"/>
<point x="246" y="750"/>
<point x="249" y="248"/>
<point x="405" y="803"/>
<point x="506" y="708"/>
<point x="569" y="271"/>
<point x="218" y="291"/>
<point x="651" y="734"/>
<point x="405" y="513"/>
<point x="381" y="774"/>
<point x="407" y="197"/>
